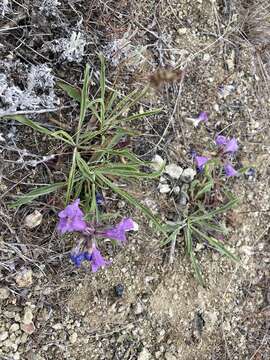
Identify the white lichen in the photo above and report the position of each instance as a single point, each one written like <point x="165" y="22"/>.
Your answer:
<point x="5" y="7"/>
<point x="122" y="50"/>
<point x="38" y="92"/>
<point x="49" y="7"/>
<point x="70" y="49"/>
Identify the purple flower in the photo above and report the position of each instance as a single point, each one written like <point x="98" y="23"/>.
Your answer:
<point x="221" y="140"/>
<point x="97" y="260"/>
<point x="119" y="232"/>
<point x="201" y="161"/>
<point x="229" y="170"/>
<point x="231" y="146"/>
<point x="203" y="116"/>
<point x="77" y="258"/>
<point x="71" y="219"/>
<point x="228" y="145"/>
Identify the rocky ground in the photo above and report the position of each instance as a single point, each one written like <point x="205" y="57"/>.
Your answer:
<point x="141" y="307"/>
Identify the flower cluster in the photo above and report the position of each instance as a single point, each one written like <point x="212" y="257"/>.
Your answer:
<point x="227" y="147"/>
<point x="71" y="219"/>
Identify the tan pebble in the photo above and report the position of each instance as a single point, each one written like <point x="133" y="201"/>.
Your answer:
<point x="28" y="316"/>
<point x="24" y="278"/>
<point x="14" y="327"/>
<point x="28" y="328"/>
<point x="3" y="335"/>
<point x="4" y="293"/>
<point x="73" y="338"/>
<point x="33" y="220"/>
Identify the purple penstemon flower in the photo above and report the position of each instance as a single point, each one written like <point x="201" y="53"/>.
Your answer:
<point x="97" y="260"/>
<point x="228" y="145"/>
<point x="119" y="232"/>
<point x="71" y="219"/>
<point x="230" y="170"/>
<point x="201" y="161"/>
<point x="203" y="116"/>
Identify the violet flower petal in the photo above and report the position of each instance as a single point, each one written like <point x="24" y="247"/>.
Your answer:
<point x="71" y="219"/>
<point x="221" y="140"/>
<point x="201" y="161"/>
<point x="231" y="146"/>
<point x="229" y="170"/>
<point x="119" y="232"/>
<point x="97" y="260"/>
<point x="203" y="116"/>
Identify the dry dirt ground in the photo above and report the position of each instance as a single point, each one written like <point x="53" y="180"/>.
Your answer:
<point x="49" y="310"/>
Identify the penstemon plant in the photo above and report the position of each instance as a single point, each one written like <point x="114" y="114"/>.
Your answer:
<point x="100" y="157"/>
<point x="209" y="200"/>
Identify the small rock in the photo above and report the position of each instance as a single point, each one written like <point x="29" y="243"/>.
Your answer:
<point x="33" y="220"/>
<point x="144" y="355"/>
<point x="174" y="171"/>
<point x="28" y="328"/>
<point x="57" y="326"/>
<point x="4" y="293"/>
<point x="3" y="335"/>
<point x="73" y="338"/>
<point x="119" y="290"/>
<point x="170" y="356"/>
<point x="206" y="57"/>
<point x="28" y="316"/>
<point x="182" y="31"/>
<point x="14" y="327"/>
<point x="188" y="175"/>
<point x="164" y="188"/>
<point x="157" y="163"/>
<point x="16" y="356"/>
<point x="24" y="278"/>
<point x="138" y="308"/>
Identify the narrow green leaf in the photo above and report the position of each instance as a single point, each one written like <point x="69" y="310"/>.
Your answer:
<point x="85" y="170"/>
<point x="216" y="244"/>
<point x="71" y="176"/>
<point x="197" y="269"/>
<point x="188" y="238"/>
<point x="206" y="189"/>
<point x="137" y="116"/>
<point x="60" y="134"/>
<point x="32" y="195"/>
<point x="72" y="91"/>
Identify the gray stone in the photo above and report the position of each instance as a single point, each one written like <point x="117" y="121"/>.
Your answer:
<point x="188" y="175"/>
<point x="4" y="293"/>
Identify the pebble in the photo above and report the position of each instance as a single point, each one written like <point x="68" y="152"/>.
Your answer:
<point x="144" y="355"/>
<point x="14" y="327"/>
<point x="73" y="338"/>
<point x="157" y="163"/>
<point x="28" y="316"/>
<point x="174" y="171"/>
<point x="4" y="293"/>
<point x="28" y="328"/>
<point x="33" y="220"/>
<point x="164" y="188"/>
<point x="170" y="356"/>
<point x="3" y="335"/>
<point x="182" y="31"/>
<point x="138" y="308"/>
<point x="188" y="175"/>
<point x="24" y="278"/>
